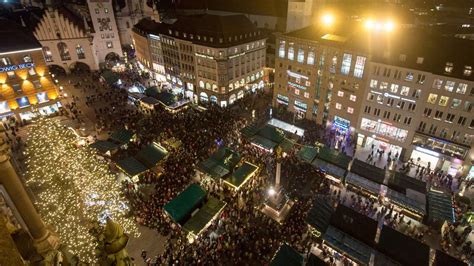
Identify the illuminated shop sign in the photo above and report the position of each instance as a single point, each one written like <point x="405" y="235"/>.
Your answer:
<point x="301" y="106"/>
<point x="204" y="56"/>
<point x="282" y="99"/>
<point x="296" y="75"/>
<point x="430" y="152"/>
<point x="16" y="67"/>
<point x="341" y="122"/>
<point x="298" y="86"/>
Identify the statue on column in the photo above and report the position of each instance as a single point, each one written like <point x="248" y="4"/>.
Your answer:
<point x="112" y="242"/>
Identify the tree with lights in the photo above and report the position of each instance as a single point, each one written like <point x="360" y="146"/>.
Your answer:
<point x="75" y="191"/>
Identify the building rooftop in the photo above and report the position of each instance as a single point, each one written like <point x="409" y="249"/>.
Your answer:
<point x="404" y="47"/>
<point x="273" y="8"/>
<point x="213" y="30"/>
<point x="15" y="37"/>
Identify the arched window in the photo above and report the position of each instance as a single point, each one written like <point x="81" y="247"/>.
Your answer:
<point x="281" y="51"/>
<point x="208" y="86"/>
<point x="232" y="99"/>
<point x="291" y="53"/>
<point x="48" y="56"/>
<point x="80" y="52"/>
<point x="27" y="59"/>
<point x="203" y="97"/>
<point x="300" y="55"/>
<point x="201" y="84"/>
<point x="5" y="61"/>
<point x="63" y="51"/>
<point x="310" y="59"/>
<point x="236" y="85"/>
<point x="214" y="88"/>
<point x="213" y="99"/>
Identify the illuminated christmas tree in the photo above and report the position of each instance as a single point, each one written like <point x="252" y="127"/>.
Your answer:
<point x="74" y="189"/>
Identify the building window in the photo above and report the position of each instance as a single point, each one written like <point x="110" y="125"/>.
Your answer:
<point x="291" y="53"/>
<point x="427" y="112"/>
<point x="350" y="110"/>
<point x="332" y="69"/>
<point x="310" y="59"/>
<point x="402" y="57"/>
<point x="281" y="51"/>
<point x="455" y="103"/>
<point x="417" y="93"/>
<point x="437" y="84"/>
<point x="37" y="84"/>
<point x="461" y="89"/>
<point x="32" y="71"/>
<point x="300" y="55"/>
<point x="11" y="74"/>
<point x="110" y="45"/>
<point x="353" y="97"/>
<point x="467" y="71"/>
<point x="394" y="88"/>
<point x="297" y="92"/>
<point x="97" y="11"/>
<point x="419" y="60"/>
<point x="449" y="67"/>
<point x="450" y="117"/>
<point x="409" y="76"/>
<point x="306" y="94"/>
<point x="373" y="84"/>
<point x="27" y="59"/>
<point x="63" y="51"/>
<point x="17" y="88"/>
<point x="421" y="79"/>
<point x="5" y="61"/>
<point x="405" y="91"/>
<point x="346" y="64"/>
<point x="80" y="52"/>
<point x="359" y="66"/>
<point x="461" y="120"/>
<point x="449" y="86"/>
<point x="422" y="126"/>
<point x="383" y="85"/>
<point x="467" y="106"/>
<point x="338" y="106"/>
<point x="438" y="115"/>
<point x="106" y="10"/>
<point x="432" y="98"/>
<point x="472" y="124"/>
<point x="443" y="100"/>
<point x="340" y="93"/>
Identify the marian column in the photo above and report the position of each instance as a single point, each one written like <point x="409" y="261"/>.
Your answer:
<point x="44" y="240"/>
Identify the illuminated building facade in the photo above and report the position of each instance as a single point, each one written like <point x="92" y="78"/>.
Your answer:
<point x="26" y="86"/>
<point x="207" y="58"/>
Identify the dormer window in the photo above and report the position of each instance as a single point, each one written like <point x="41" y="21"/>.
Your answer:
<point x="467" y="71"/>
<point x="403" y="57"/>
<point x="170" y="31"/>
<point x="449" y="67"/>
<point x="185" y="35"/>
<point x="419" y="60"/>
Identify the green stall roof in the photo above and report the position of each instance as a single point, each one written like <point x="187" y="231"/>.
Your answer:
<point x="110" y="77"/>
<point x="263" y="142"/>
<point x="307" y="154"/>
<point x="241" y="175"/>
<point x="123" y="136"/>
<point x="151" y="155"/>
<point x="334" y="157"/>
<point x="272" y="133"/>
<point x="220" y="163"/>
<point x="104" y="146"/>
<point x="131" y="166"/>
<point x="249" y="131"/>
<point x="287" y="256"/>
<point x="185" y="203"/>
<point x="440" y="206"/>
<point x="204" y="216"/>
<point x="212" y="168"/>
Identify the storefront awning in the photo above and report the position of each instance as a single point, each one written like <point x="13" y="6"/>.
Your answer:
<point x="185" y="203"/>
<point x="368" y="171"/>
<point x="334" y="157"/>
<point x="151" y="155"/>
<point x="351" y="247"/>
<point x="329" y="168"/>
<point x="319" y="215"/>
<point x="358" y="225"/>
<point x="400" y="182"/>
<point x="406" y="203"/>
<point x="263" y="142"/>
<point x="363" y="183"/>
<point x="440" y="207"/>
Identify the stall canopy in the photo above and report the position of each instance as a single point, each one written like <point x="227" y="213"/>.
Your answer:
<point x="185" y="203"/>
<point x="267" y="137"/>
<point x="443" y="259"/>
<point x="263" y="142"/>
<point x="329" y="168"/>
<point x="241" y="175"/>
<point x="199" y="221"/>
<point x="122" y="136"/>
<point x="440" y="207"/>
<point x="320" y="214"/>
<point x="403" y="248"/>
<point x="287" y="256"/>
<point x="150" y="101"/>
<point x="314" y="260"/>
<point x="405" y="202"/>
<point x="220" y="163"/>
<point x="362" y="183"/>
<point x="400" y="182"/>
<point x="104" y="146"/>
<point x="152" y="91"/>
<point x="355" y="224"/>
<point x="110" y="77"/>
<point x="368" y="171"/>
<point x="351" y="247"/>
<point x="151" y="155"/>
<point x="307" y="154"/>
<point x="131" y="166"/>
<point x="331" y="156"/>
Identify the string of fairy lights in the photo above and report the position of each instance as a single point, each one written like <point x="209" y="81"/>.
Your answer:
<point x="75" y="190"/>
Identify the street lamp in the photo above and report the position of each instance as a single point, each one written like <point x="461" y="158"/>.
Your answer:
<point x="271" y="192"/>
<point x="327" y="19"/>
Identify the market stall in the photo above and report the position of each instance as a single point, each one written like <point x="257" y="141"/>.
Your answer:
<point x="440" y="208"/>
<point x="241" y="175"/>
<point x="319" y="216"/>
<point x="287" y="256"/>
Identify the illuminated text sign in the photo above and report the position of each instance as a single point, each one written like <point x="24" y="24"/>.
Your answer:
<point x="16" y="67"/>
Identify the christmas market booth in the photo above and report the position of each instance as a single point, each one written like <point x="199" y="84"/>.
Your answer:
<point x="333" y="163"/>
<point x="117" y="139"/>
<point x="267" y="138"/>
<point x="287" y="256"/>
<point x="440" y="208"/>
<point x="194" y="210"/>
<point x="319" y="216"/>
<point x="168" y="100"/>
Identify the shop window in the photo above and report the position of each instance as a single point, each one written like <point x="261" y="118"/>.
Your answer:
<point x="346" y="64"/>
<point x="462" y="88"/>
<point x="359" y="66"/>
<point x="449" y="86"/>
<point x="455" y="103"/>
<point x="405" y="91"/>
<point x="443" y="101"/>
<point x="449" y="67"/>
<point x="394" y="88"/>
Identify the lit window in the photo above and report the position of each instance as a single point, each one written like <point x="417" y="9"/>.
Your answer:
<point x="359" y="66"/>
<point x="449" y="67"/>
<point x="332" y="69"/>
<point x="467" y="70"/>
<point x="308" y="83"/>
<point x="437" y="84"/>
<point x="350" y="110"/>
<point x="310" y="59"/>
<point x="455" y="103"/>
<point x="402" y="57"/>
<point x="80" y="52"/>
<point x="461" y="89"/>
<point x="297" y="92"/>
<point x="300" y="55"/>
<point x="449" y="86"/>
<point x="405" y="90"/>
<point x="346" y="64"/>
<point x="106" y="10"/>
<point x="97" y="11"/>
<point x="27" y="59"/>
<point x="419" y="60"/>
<point x="373" y="84"/>
<point x="409" y="76"/>
<point x="432" y="98"/>
<point x="353" y="97"/>
<point x="383" y="85"/>
<point x="32" y="71"/>
<point x="63" y="51"/>
<point x="281" y="51"/>
<point x="338" y="106"/>
<point x="443" y="100"/>
<point x="340" y="93"/>
<point x="5" y="61"/>
<point x="394" y="88"/>
<point x="291" y="53"/>
<point x="37" y="84"/>
<point x="11" y="74"/>
<point x="110" y="45"/>
<point x="306" y="94"/>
